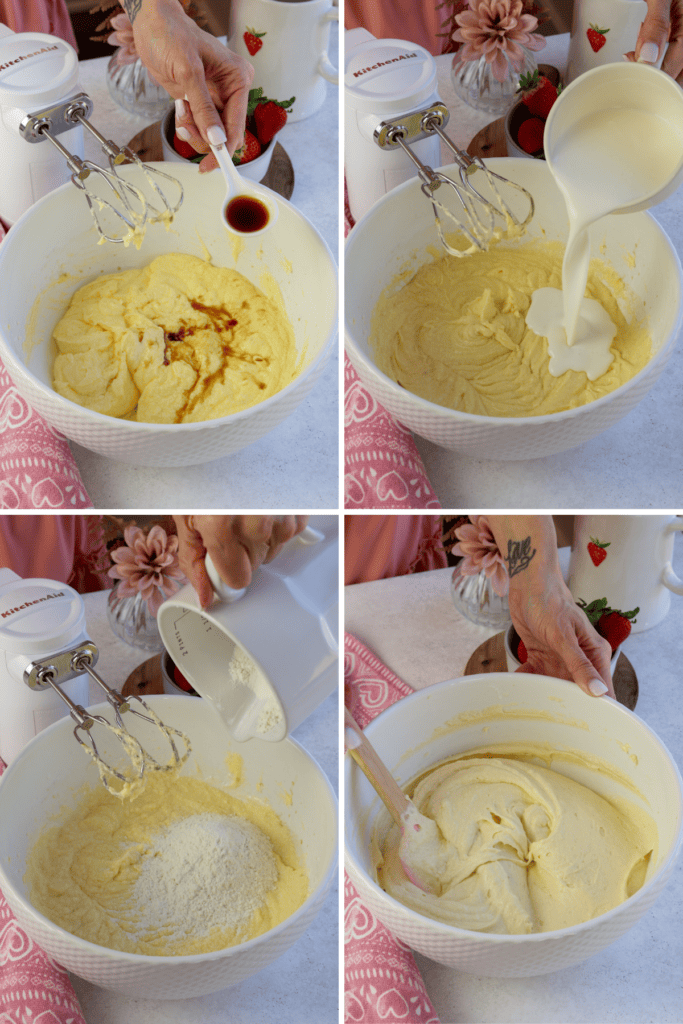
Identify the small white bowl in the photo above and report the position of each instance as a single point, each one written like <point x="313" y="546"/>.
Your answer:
<point x="512" y="120"/>
<point x="498" y="708"/>
<point x="30" y="796"/>
<point x="394" y="239"/>
<point x="168" y="678"/>
<point x="513" y="663"/>
<point x="254" y="170"/>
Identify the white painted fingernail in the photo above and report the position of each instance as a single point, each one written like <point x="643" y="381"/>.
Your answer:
<point x="183" y="134"/>
<point x="649" y="52"/>
<point x="597" y="687"/>
<point x="216" y="135"/>
<point x="180" y="110"/>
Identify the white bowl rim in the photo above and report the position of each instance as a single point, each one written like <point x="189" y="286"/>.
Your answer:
<point x="12" y="361"/>
<point x="493" y="938"/>
<point x="93" y="949"/>
<point x="357" y="354"/>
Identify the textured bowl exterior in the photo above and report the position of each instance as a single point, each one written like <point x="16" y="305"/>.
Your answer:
<point x="53" y="249"/>
<point x="404" y="222"/>
<point x="312" y="817"/>
<point x="426" y="730"/>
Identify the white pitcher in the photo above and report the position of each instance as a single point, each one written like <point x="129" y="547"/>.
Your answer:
<point x="619" y="20"/>
<point x="626" y="559"/>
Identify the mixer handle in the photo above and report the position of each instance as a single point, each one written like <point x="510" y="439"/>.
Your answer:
<point x="228" y="594"/>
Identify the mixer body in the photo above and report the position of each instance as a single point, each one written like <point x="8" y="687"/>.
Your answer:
<point x="36" y="70"/>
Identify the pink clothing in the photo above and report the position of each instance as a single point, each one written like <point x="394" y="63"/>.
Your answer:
<point x="50" y="16"/>
<point x="417" y="21"/>
<point x="377" y="547"/>
<point x="69" y="549"/>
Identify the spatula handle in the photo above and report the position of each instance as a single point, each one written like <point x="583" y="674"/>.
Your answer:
<point x="367" y="759"/>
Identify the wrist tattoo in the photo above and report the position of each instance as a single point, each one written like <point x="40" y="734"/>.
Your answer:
<point x="132" y="8"/>
<point x="518" y="556"/>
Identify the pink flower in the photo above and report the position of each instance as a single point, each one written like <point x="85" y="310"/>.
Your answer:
<point x="123" y="38"/>
<point x="148" y="565"/>
<point x="480" y="553"/>
<point x="496" y="30"/>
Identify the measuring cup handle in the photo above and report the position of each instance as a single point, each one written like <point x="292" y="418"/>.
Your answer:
<point x="325" y="67"/>
<point x="307" y="536"/>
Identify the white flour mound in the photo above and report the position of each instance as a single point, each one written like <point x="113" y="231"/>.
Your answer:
<point x="204" y="872"/>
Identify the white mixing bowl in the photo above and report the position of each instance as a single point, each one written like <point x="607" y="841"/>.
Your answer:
<point x="392" y="239"/>
<point x="424" y="728"/>
<point x="30" y="795"/>
<point x="56" y="237"/>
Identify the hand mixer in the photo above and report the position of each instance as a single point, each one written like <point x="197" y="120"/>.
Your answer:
<point x="43" y="644"/>
<point x="40" y="99"/>
<point x="476" y="214"/>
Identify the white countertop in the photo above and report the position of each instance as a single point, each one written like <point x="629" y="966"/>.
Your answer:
<point x="637" y="463"/>
<point x="296" y="465"/>
<point x="299" y="987"/>
<point x="412" y="626"/>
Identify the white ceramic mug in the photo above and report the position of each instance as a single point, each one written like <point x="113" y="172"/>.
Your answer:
<point x="634" y="569"/>
<point x="620" y="21"/>
<point x="286" y="42"/>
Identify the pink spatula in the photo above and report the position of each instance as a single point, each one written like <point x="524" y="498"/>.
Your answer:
<point x="422" y="849"/>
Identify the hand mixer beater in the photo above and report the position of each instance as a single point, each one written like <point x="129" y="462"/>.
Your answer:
<point x="44" y="645"/>
<point x="476" y="214"/>
<point x="135" y="210"/>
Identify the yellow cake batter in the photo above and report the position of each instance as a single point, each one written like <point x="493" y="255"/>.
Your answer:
<point x="522" y="848"/>
<point x="456" y="334"/>
<point x="82" y="873"/>
<point x="177" y="341"/>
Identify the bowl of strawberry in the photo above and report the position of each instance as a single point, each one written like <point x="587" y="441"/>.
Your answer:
<point x="613" y="624"/>
<point x="525" y="121"/>
<point x="265" y="118"/>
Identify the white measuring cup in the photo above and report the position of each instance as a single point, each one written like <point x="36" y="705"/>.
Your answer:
<point x="267" y="656"/>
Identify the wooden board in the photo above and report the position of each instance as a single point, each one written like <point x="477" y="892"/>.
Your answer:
<point x="490" y="141"/>
<point x="279" y="176"/>
<point x="490" y="657"/>
<point x="145" y="679"/>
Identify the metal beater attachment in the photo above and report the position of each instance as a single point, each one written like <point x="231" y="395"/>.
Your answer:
<point x="475" y="217"/>
<point x="52" y="671"/>
<point x="132" y="205"/>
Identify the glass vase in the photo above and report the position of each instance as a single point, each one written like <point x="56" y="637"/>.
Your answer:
<point x="131" y="620"/>
<point x="133" y="88"/>
<point x="476" y="600"/>
<point x="474" y="83"/>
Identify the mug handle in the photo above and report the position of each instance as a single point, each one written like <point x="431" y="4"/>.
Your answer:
<point x="325" y="68"/>
<point x="307" y="536"/>
<point x="669" y="577"/>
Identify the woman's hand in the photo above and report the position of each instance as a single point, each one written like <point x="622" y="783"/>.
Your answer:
<point x="663" y="24"/>
<point x="208" y="81"/>
<point x="237" y="545"/>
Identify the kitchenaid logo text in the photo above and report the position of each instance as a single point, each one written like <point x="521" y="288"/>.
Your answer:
<point x="25" y="56"/>
<point x="27" y="604"/>
<point x="382" y="63"/>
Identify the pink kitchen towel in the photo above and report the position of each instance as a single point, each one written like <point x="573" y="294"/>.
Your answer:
<point x="382" y="466"/>
<point x="381" y="979"/>
<point x="33" y="988"/>
<point x="37" y="469"/>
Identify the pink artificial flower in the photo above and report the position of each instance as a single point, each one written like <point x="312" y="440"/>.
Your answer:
<point x="148" y="565"/>
<point x="480" y="553"/>
<point x="123" y="38"/>
<point x="496" y="30"/>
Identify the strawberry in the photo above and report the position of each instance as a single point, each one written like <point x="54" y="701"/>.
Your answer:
<point x="522" y="655"/>
<point x="538" y="93"/>
<point x="530" y="135"/>
<point x="184" y="149"/>
<point x="181" y="681"/>
<point x="596" y="37"/>
<point x="250" y="149"/>
<point x="253" y="40"/>
<point x="615" y="626"/>
<point x="597" y="550"/>
<point x="270" y="116"/>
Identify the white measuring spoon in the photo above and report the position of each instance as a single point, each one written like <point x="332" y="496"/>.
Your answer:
<point x="422" y="849"/>
<point x="247" y="209"/>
